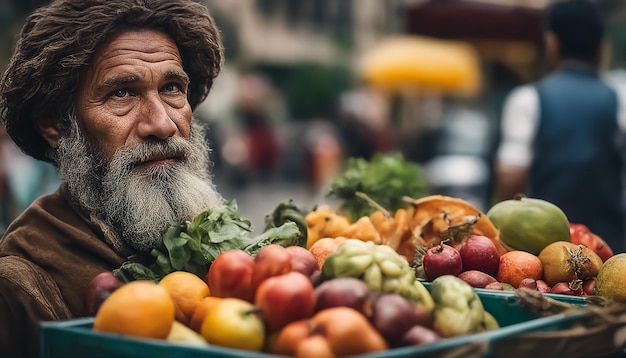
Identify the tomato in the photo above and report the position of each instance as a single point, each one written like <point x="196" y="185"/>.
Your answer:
<point x="581" y="235"/>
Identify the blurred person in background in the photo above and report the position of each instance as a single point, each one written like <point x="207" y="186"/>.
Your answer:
<point x="561" y="137"/>
<point x="258" y="127"/>
<point x="105" y="91"/>
<point x="363" y="123"/>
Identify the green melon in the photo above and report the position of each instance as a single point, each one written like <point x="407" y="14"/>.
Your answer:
<point x="529" y="224"/>
<point x="611" y="283"/>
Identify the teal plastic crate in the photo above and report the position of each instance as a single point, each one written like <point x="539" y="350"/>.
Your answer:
<point x="75" y="338"/>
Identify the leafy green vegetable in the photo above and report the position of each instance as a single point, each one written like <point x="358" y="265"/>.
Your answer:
<point x="285" y="212"/>
<point x="193" y="245"/>
<point x="386" y="179"/>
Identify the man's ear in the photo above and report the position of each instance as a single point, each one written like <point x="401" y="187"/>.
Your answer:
<point x="50" y="130"/>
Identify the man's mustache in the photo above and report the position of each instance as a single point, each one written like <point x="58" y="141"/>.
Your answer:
<point x="172" y="148"/>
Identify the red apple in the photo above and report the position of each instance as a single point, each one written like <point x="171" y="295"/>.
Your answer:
<point x="230" y="275"/>
<point x="480" y="253"/>
<point x="100" y="287"/>
<point x="284" y="299"/>
<point x="271" y="260"/>
<point x="302" y="260"/>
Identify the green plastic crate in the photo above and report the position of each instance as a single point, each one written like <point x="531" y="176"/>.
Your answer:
<point x="75" y="338"/>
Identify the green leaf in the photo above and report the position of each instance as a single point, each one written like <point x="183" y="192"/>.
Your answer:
<point x="285" y="235"/>
<point x="132" y="271"/>
<point x="386" y="179"/>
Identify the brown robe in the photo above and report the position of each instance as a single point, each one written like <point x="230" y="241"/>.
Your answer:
<point x="48" y="257"/>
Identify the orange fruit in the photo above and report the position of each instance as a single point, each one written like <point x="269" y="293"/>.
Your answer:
<point x="518" y="265"/>
<point x="322" y="223"/>
<point x="324" y="247"/>
<point x="364" y="230"/>
<point x="315" y="346"/>
<point x="202" y="308"/>
<point x="186" y="290"/>
<point x="138" y="309"/>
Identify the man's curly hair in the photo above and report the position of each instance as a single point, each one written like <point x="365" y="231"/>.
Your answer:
<point x="57" y="43"/>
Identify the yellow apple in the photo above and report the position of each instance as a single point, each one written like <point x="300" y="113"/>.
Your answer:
<point x="234" y="323"/>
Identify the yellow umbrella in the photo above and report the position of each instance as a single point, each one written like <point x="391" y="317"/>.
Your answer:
<point x="415" y="62"/>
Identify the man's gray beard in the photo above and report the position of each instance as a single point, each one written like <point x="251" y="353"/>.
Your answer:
<point x="139" y="203"/>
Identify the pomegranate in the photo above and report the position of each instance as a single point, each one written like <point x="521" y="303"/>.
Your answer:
<point x="480" y="253"/>
<point x="565" y="261"/>
<point x="442" y="260"/>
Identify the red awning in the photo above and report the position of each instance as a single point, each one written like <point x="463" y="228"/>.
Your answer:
<point x="462" y="19"/>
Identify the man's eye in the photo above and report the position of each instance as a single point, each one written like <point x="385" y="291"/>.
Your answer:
<point x="171" y="87"/>
<point x="120" y="93"/>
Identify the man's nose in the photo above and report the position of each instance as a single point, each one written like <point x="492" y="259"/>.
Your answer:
<point x="155" y="120"/>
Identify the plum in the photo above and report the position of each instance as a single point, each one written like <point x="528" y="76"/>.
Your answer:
<point x="418" y="335"/>
<point x="342" y="291"/>
<point x="393" y="315"/>
<point x="302" y="260"/>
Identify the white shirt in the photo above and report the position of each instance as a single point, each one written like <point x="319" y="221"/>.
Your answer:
<point x="520" y="117"/>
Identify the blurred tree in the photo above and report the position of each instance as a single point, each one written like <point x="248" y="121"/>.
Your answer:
<point x="318" y="96"/>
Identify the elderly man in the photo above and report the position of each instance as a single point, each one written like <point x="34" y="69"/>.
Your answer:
<point x="104" y="90"/>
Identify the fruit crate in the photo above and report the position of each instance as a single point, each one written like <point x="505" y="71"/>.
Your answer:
<point x="522" y="334"/>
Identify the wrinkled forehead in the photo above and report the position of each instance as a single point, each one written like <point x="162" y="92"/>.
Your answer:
<point x="133" y="47"/>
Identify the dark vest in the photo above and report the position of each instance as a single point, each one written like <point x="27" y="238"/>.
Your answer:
<point x="577" y="157"/>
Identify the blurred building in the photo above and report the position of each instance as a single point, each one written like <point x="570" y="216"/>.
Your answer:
<point x="318" y="31"/>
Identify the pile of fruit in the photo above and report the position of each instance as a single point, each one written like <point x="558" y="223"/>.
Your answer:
<point x="522" y="242"/>
<point x="346" y="281"/>
<point x="363" y="299"/>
